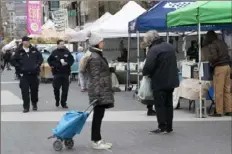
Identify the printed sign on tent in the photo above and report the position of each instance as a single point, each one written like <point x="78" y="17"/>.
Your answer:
<point x="176" y="5"/>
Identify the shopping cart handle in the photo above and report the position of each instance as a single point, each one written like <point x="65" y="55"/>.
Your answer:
<point x="94" y="102"/>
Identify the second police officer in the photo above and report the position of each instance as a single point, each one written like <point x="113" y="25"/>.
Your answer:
<point x="61" y="61"/>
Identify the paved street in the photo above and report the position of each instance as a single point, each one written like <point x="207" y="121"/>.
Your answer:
<point x="126" y="126"/>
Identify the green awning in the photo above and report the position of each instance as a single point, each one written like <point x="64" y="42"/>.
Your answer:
<point x="209" y="12"/>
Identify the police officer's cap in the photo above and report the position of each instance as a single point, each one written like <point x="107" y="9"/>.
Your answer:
<point x="26" y="38"/>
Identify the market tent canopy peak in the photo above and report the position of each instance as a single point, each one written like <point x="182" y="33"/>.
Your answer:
<point x="155" y="18"/>
<point x="82" y="35"/>
<point x="117" y="25"/>
<point x="208" y="13"/>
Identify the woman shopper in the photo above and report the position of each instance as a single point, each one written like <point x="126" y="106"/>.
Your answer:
<point x="100" y="88"/>
<point x="220" y="61"/>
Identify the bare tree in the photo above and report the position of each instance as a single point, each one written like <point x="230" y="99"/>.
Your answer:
<point x="1" y="24"/>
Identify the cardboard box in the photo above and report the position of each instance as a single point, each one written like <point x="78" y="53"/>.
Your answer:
<point x="46" y="71"/>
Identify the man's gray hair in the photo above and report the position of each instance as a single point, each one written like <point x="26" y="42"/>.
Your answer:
<point x="150" y="37"/>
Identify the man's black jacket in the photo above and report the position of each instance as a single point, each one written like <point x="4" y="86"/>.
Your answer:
<point x="27" y="63"/>
<point x="54" y="61"/>
<point x="161" y="66"/>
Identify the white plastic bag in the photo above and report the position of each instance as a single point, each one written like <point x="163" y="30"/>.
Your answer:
<point x="145" y="91"/>
<point x="176" y="97"/>
<point x="121" y="66"/>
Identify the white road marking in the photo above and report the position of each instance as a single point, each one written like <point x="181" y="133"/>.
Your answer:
<point x="8" y="98"/>
<point x="10" y="82"/>
<point x="110" y="116"/>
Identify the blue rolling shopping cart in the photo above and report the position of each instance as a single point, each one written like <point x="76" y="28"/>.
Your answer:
<point x="70" y="124"/>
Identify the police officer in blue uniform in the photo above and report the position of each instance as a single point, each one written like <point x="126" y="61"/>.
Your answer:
<point x="61" y="61"/>
<point x="27" y="60"/>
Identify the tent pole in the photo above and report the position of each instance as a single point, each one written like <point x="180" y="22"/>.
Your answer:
<point x="199" y="50"/>
<point x="138" y="60"/>
<point x="184" y="46"/>
<point x="128" y="63"/>
<point x="167" y="36"/>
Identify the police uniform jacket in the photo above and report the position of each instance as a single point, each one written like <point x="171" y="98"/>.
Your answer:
<point x="55" y="64"/>
<point x="27" y="63"/>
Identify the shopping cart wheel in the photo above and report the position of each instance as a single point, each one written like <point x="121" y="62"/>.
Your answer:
<point x="57" y="145"/>
<point x="69" y="144"/>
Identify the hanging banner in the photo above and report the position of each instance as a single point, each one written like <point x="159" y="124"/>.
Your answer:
<point x="60" y="18"/>
<point x="34" y="11"/>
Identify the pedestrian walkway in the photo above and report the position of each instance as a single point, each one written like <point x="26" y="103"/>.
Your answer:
<point x="110" y="116"/>
<point x="8" y="98"/>
<point x="9" y="82"/>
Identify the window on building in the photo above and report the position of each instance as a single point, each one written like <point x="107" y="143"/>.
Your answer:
<point x="53" y="5"/>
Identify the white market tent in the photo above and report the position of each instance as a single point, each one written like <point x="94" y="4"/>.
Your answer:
<point x="77" y="28"/>
<point x="82" y="35"/>
<point x="49" y="31"/>
<point x="117" y="25"/>
<point x="9" y="46"/>
<point x="48" y="25"/>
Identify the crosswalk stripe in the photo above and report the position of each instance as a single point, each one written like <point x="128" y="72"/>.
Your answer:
<point x="9" y="82"/>
<point x="8" y="98"/>
<point x="110" y="116"/>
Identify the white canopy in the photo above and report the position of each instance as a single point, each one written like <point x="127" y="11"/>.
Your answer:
<point x="49" y="31"/>
<point x="9" y="46"/>
<point x="48" y="25"/>
<point x="82" y="35"/>
<point x="117" y="25"/>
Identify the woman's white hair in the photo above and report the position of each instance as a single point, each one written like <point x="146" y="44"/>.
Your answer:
<point x="150" y="37"/>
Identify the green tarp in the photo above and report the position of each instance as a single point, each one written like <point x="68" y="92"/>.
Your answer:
<point x="209" y="12"/>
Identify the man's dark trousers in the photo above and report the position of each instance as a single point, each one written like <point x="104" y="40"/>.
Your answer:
<point x="29" y="85"/>
<point x="164" y="108"/>
<point x="61" y="81"/>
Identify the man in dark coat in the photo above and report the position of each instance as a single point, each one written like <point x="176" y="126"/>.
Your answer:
<point x="27" y="60"/>
<point x="192" y="51"/>
<point x="61" y="61"/>
<point x="7" y="58"/>
<point x="161" y="67"/>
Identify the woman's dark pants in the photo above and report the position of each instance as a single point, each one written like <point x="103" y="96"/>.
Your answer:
<point x="98" y="114"/>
